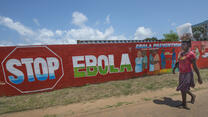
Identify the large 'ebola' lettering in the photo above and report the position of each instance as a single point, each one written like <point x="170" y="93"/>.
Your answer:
<point x="102" y="65"/>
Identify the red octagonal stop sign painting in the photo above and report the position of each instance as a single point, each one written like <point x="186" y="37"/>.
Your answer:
<point x="32" y="69"/>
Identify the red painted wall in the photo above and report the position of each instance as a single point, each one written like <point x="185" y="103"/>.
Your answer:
<point x="30" y="69"/>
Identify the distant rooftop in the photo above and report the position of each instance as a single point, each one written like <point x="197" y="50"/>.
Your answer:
<point x="200" y="24"/>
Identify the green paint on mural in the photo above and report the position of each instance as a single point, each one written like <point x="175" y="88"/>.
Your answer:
<point x="93" y="65"/>
<point x="92" y="70"/>
<point x="113" y="69"/>
<point x="78" y="73"/>
<point x="127" y="67"/>
<point x="103" y="71"/>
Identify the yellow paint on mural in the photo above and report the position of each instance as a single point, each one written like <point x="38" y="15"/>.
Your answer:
<point x="165" y="70"/>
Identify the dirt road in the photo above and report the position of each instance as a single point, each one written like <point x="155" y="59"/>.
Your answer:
<point x="163" y="108"/>
<point x="160" y="103"/>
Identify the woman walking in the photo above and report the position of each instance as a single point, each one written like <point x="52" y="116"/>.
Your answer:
<point x="186" y="80"/>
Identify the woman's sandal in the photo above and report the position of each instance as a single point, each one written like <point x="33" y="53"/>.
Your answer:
<point x="184" y="106"/>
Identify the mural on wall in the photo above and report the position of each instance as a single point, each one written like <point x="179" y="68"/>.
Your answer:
<point x="200" y="48"/>
<point x="173" y="58"/>
<point x="94" y="65"/>
<point x="196" y="51"/>
<point x="163" y="59"/>
<point x="204" y="49"/>
<point x="139" y="62"/>
<point x="29" y="69"/>
<point x="145" y="60"/>
<point x="23" y="69"/>
<point x="156" y="60"/>
<point x="151" y="61"/>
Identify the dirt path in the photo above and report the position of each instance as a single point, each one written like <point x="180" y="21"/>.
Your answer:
<point x="147" y="104"/>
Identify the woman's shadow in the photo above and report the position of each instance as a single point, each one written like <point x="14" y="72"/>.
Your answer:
<point x="169" y="102"/>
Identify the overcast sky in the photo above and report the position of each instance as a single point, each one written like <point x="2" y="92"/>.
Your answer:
<point x="65" y="21"/>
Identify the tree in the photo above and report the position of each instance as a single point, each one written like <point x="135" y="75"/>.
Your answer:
<point x="151" y="39"/>
<point x="199" y="32"/>
<point x="172" y="36"/>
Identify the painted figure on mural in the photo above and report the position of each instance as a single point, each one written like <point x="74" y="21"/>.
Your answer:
<point x="151" y="61"/>
<point x="163" y="60"/>
<point x="145" y="60"/>
<point x="156" y="60"/>
<point x="173" y="57"/>
<point x="204" y="46"/>
<point x="202" y="49"/>
<point x="196" y="51"/>
<point x="138" y="62"/>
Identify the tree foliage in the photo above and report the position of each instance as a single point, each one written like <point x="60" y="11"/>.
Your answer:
<point x="172" y="36"/>
<point x="151" y="39"/>
<point x="199" y="33"/>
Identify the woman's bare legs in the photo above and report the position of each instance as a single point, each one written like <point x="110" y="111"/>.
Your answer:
<point x="193" y="97"/>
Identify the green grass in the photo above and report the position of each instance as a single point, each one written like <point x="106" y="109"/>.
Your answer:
<point x="117" y="105"/>
<point x="147" y="99"/>
<point x="90" y="92"/>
